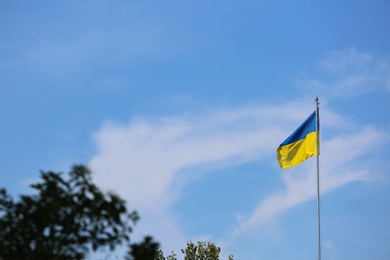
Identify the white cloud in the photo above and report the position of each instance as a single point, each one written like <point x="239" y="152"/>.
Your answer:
<point x="146" y="162"/>
<point x="143" y="151"/>
<point x="347" y="73"/>
<point x="343" y="61"/>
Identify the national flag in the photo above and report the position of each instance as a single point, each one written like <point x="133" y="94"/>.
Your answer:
<point x="300" y="145"/>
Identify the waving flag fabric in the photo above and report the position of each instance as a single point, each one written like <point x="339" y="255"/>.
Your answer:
<point x="300" y="145"/>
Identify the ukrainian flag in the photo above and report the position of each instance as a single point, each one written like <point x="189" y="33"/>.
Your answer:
<point x="300" y="145"/>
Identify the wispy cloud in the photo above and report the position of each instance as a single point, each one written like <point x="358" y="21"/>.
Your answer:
<point x="345" y="73"/>
<point x="146" y="162"/>
<point x="158" y="150"/>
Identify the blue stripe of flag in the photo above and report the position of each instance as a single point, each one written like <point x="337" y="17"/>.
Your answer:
<point x="308" y="126"/>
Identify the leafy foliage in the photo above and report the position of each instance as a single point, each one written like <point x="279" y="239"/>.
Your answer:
<point x="65" y="219"/>
<point x="145" y="250"/>
<point x="160" y="256"/>
<point x="200" y="251"/>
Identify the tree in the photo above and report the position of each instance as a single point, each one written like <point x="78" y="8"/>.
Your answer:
<point x="146" y="250"/>
<point x="63" y="220"/>
<point x="160" y="256"/>
<point x="200" y="251"/>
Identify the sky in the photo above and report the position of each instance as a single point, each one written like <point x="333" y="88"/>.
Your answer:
<point x="179" y="106"/>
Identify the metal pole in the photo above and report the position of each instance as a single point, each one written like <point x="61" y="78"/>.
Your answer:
<point x="318" y="175"/>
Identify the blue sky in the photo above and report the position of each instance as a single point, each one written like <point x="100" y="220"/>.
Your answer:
<point x="179" y="106"/>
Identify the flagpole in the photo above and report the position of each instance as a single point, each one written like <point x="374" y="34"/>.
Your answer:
<point x="318" y="174"/>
